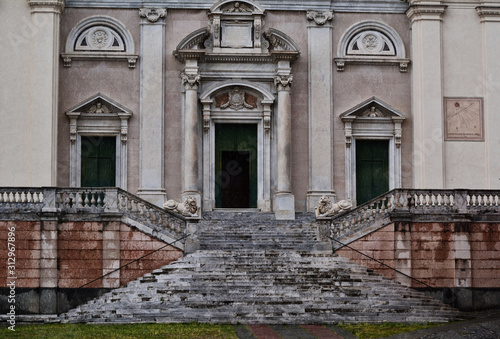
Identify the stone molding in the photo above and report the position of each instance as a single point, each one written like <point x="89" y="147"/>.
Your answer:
<point x="488" y="13"/>
<point x="55" y="6"/>
<point x="425" y="12"/>
<point x="153" y="14"/>
<point x="110" y="25"/>
<point x="320" y="17"/>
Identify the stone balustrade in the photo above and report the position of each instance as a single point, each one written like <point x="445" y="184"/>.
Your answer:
<point x="414" y="203"/>
<point x="91" y="200"/>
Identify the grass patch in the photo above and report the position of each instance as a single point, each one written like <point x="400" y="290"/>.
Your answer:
<point x="129" y="331"/>
<point x="368" y="331"/>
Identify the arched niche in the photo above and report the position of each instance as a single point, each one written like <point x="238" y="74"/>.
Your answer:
<point x="100" y="37"/>
<point x="371" y="42"/>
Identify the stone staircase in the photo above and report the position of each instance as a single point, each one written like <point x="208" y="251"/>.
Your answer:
<point x="252" y="269"/>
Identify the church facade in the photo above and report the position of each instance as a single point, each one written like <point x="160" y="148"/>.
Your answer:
<point x="261" y="106"/>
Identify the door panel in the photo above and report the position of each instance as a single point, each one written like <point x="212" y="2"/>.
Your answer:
<point x="372" y="169"/>
<point x="236" y="165"/>
<point x="98" y="161"/>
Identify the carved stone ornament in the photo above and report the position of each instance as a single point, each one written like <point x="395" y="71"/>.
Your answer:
<point x="373" y="112"/>
<point x="236" y="100"/>
<point x="98" y="108"/>
<point x="152" y="14"/>
<point x="237" y="7"/>
<point x="283" y="82"/>
<point x="190" y="81"/>
<point x="320" y="17"/>
<point x="327" y="208"/>
<point x="188" y="208"/>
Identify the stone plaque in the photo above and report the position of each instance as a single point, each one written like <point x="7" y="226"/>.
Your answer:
<point x="463" y="119"/>
<point x="236" y="34"/>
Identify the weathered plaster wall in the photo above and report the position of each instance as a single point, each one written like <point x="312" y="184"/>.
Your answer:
<point x="113" y="79"/>
<point x="358" y="83"/>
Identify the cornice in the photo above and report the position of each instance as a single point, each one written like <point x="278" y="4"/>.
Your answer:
<point x="425" y="12"/>
<point x="488" y="13"/>
<point x="56" y="6"/>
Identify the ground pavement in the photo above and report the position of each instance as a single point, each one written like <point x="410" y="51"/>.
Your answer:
<point x="482" y="325"/>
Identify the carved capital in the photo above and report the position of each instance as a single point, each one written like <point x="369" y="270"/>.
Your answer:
<point x="320" y="17"/>
<point x="488" y="13"/>
<point x="425" y="12"/>
<point x="55" y="6"/>
<point x="283" y="82"/>
<point x="152" y="14"/>
<point x="190" y="81"/>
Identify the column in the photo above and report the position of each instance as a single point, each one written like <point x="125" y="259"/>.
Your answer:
<point x="490" y="24"/>
<point x="190" y="80"/>
<point x="45" y="17"/>
<point x="427" y="96"/>
<point x="320" y="58"/>
<point x="284" y="201"/>
<point x="151" y="173"/>
<point x="48" y="265"/>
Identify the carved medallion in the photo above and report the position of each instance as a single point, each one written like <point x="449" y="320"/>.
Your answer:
<point x="370" y="42"/>
<point x="100" y="38"/>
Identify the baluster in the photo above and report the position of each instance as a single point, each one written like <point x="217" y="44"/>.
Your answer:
<point x="79" y="199"/>
<point x="92" y="199"/>
<point x="148" y="213"/>
<point x="382" y="206"/>
<point x="1" y="198"/>
<point x="371" y="212"/>
<point x="23" y="197"/>
<point x="99" y="200"/>
<point x="468" y="199"/>
<point x="160" y="219"/>
<point x="496" y="200"/>
<point x="167" y="226"/>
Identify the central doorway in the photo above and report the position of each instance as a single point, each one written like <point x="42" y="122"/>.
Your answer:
<point x="235" y="165"/>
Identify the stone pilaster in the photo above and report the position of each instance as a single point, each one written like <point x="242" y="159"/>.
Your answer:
<point x="45" y="16"/>
<point x="402" y="252"/>
<point x="284" y="201"/>
<point x="463" y="264"/>
<point x="190" y="80"/>
<point x="490" y="24"/>
<point x="48" y="266"/>
<point x="151" y="179"/>
<point x="111" y="254"/>
<point x="427" y="96"/>
<point x="320" y="58"/>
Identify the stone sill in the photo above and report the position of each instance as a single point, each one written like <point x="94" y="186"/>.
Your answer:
<point x="341" y="62"/>
<point x="69" y="57"/>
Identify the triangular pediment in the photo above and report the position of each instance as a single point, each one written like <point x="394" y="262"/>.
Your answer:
<point x="99" y="104"/>
<point x="372" y="108"/>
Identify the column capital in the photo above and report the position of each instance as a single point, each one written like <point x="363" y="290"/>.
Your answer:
<point x="283" y="82"/>
<point x="320" y="17"/>
<point x="54" y="6"/>
<point x="488" y="13"/>
<point x="153" y="14"/>
<point x="190" y="81"/>
<point x="429" y="12"/>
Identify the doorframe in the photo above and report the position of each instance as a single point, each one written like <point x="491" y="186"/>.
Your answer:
<point x="261" y="116"/>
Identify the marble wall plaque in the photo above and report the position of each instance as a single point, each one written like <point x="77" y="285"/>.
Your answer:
<point x="463" y="119"/>
<point x="236" y="34"/>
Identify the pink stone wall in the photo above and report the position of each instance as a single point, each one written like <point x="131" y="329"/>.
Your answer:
<point x="378" y="245"/>
<point x="80" y="253"/>
<point x="434" y="258"/>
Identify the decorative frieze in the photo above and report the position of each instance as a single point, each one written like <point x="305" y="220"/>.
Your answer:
<point x="320" y="17"/>
<point x="152" y="14"/>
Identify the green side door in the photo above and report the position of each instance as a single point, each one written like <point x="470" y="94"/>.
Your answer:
<point x="372" y="169"/>
<point x="236" y="165"/>
<point x="98" y="167"/>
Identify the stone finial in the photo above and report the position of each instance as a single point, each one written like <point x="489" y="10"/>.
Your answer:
<point x="152" y="14"/>
<point x="320" y="17"/>
<point x="327" y="208"/>
<point x="189" y="208"/>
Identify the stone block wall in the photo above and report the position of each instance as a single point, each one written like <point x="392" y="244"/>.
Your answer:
<point x="459" y="260"/>
<point x="58" y="258"/>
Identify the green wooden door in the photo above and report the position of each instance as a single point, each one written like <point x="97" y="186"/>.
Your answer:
<point x="98" y="156"/>
<point x="372" y="169"/>
<point x="236" y="165"/>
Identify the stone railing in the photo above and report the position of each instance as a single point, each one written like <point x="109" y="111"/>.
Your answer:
<point x="91" y="200"/>
<point x="376" y="213"/>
